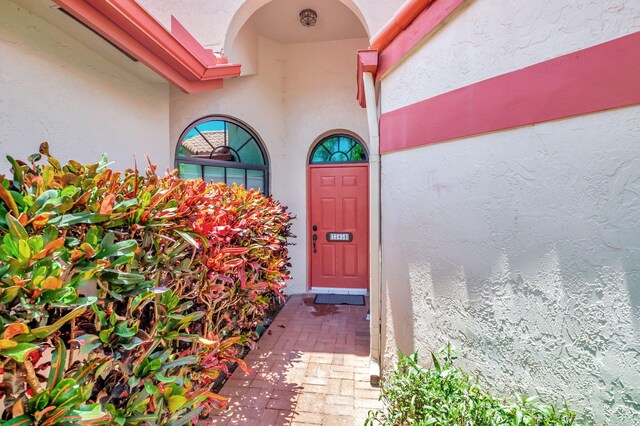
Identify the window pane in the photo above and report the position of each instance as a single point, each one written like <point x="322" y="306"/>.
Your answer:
<point x="338" y="157"/>
<point x="330" y="144"/>
<point x="358" y="154"/>
<point x="185" y="151"/>
<point x="320" y="155"/>
<point x="246" y="146"/>
<point x="203" y="139"/>
<point x="255" y="179"/>
<point x="338" y="149"/>
<point x="215" y="174"/>
<point x="235" y="175"/>
<point x="189" y="171"/>
<point x="251" y="153"/>
<point x="211" y="126"/>
<point x="345" y="144"/>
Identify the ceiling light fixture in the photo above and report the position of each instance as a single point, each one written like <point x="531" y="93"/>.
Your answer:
<point x="308" y="17"/>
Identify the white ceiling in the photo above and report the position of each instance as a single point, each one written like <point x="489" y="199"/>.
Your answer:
<point x="279" y="20"/>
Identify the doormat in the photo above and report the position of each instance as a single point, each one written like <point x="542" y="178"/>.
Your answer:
<point x="339" y="299"/>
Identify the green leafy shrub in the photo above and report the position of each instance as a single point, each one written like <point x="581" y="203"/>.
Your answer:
<point x="446" y="395"/>
<point x="125" y="297"/>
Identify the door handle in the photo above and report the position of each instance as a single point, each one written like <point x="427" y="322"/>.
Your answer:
<point x="314" y="238"/>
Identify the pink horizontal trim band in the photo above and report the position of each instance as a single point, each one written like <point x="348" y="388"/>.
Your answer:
<point x="601" y="77"/>
<point x="428" y="20"/>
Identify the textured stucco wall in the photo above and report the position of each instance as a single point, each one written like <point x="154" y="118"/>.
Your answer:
<point x="54" y="88"/>
<point x="299" y="92"/>
<point x="522" y="247"/>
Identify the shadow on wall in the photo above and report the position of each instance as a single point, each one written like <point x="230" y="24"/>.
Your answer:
<point x="548" y="322"/>
<point x="398" y="307"/>
<point x="632" y="264"/>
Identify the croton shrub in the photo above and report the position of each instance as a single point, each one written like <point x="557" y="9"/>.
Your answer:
<point x="124" y="297"/>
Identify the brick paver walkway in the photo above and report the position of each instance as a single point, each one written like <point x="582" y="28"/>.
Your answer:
<point x="311" y="368"/>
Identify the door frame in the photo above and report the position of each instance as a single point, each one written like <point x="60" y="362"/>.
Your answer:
<point x="309" y="224"/>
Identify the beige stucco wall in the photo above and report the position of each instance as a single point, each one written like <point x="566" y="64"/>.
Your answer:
<point x="299" y="92"/>
<point x="522" y="247"/>
<point x="54" y="88"/>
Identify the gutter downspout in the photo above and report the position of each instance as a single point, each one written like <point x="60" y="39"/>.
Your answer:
<point x="374" y="231"/>
<point x="366" y="96"/>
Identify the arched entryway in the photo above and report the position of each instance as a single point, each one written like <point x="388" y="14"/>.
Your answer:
<point x="338" y="212"/>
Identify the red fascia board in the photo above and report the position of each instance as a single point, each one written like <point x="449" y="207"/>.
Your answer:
<point x="594" y="79"/>
<point x="367" y="62"/>
<point x="129" y="16"/>
<point x="132" y="18"/>
<point x="130" y="27"/>
<point x="189" y="42"/>
<point x="409" y="25"/>
<point x="207" y="56"/>
<point x="221" y="71"/>
<point x="400" y="20"/>
<point x="180" y="52"/>
<point x="425" y="22"/>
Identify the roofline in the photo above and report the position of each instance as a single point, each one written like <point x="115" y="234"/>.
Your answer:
<point x="398" y="22"/>
<point x="177" y="55"/>
<point x="409" y="25"/>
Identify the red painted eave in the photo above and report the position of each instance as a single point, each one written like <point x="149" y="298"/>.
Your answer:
<point x="177" y="56"/>
<point x="398" y="22"/>
<point x="367" y="62"/>
<point x="411" y="23"/>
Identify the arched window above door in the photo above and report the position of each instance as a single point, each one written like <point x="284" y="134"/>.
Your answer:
<point x="338" y="148"/>
<point x="222" y="149"/>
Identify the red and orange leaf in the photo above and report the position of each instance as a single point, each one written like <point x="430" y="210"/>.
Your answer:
<point x="15" y="329"/>
<point x="106" y="207"/>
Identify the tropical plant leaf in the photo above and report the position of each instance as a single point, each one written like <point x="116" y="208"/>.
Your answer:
<point x="6" y="196"/>
<point x="58" y="364"/>
<point x="186" y="418"/>
<point x="78" y="218"/>
<point x="175" y="402"/>
<point x="23" y="420"/>
<point x="40" y="332"/>
<point x="16" y="229"/>
<point x="18" y="352"/>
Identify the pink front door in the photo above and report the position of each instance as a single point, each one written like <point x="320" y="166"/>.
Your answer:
<point x="339" y="226"/>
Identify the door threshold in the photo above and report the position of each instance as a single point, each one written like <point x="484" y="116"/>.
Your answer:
<point x="337" y="290"/>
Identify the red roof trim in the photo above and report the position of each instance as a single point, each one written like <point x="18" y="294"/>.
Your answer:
<point x="398" y="22"/>
<point x="367" y="62"/>
<point x="175" y="55"/>
<point x="409" y="25"/>
<point x="427" y="21"/>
